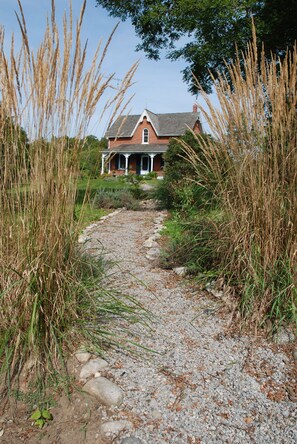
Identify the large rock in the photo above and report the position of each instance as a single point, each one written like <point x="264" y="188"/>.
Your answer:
<point x="105" y="391"/>
<point x="92" y="367"/>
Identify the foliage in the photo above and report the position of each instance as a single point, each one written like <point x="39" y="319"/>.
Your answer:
<point x="90" y="157"/>
<point x="207" y="33"/>
<point x="51" y="295"/>
<point x="16" y="139"/>
<point x="256" y="129"/>
<point x="192" y="242"/>
<point x="178" y="188"/>
<point x="40" y="417"/>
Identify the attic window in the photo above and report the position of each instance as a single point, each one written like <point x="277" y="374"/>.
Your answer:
<point x="145" y="136"/>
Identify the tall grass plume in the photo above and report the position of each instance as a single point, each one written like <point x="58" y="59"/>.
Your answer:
<point x="46" y="96"/>
<point x="251" y="167"/>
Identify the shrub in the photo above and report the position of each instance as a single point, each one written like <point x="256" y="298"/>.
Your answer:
<point x="178" y="188"/>
<point x="115" y="199"/>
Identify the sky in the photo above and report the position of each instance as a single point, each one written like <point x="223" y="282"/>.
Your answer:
<point x="158" y="85"/>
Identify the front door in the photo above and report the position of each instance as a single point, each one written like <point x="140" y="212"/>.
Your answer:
<point x="145" y="164"/>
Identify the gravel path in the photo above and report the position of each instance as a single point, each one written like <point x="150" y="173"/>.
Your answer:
<point x="205" y="385"/>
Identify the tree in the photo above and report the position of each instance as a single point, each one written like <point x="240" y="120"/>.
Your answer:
<point x="90" y="157"/>
<point x="179" y="189"/>
<point x="213" y="30"/>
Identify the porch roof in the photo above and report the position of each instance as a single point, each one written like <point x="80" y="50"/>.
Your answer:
<point x="140" y="148"/>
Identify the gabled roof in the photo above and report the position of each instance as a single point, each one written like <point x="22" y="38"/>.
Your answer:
<point x="170" y="124"/>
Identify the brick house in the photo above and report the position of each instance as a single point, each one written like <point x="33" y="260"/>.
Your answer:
<point x="136" y="143"/>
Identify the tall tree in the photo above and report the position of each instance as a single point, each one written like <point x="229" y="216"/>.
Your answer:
<point x="206" y="33"/>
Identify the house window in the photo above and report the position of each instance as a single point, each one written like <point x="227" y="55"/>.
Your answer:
<point x="145" y="136"/>
<point x="122" y="162"/>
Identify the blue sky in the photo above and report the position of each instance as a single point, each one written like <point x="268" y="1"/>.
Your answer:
<point x="158" y="85"/>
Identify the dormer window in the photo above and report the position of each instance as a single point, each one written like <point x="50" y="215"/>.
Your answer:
<point x="145" y="136"/>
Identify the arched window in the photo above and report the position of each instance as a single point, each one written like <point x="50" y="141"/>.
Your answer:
<point x="145" y="136"/>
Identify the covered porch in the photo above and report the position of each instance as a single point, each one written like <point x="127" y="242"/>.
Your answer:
<point x="136" y="159"/>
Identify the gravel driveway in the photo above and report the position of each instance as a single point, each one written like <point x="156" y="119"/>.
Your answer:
<point x="204" y="385"/>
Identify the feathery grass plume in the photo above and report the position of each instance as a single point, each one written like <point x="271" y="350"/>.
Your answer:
<point x="46" y="95"/>
<point x="251" y="166"/>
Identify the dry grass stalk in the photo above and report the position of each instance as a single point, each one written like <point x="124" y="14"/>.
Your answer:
<point x="52" y="94"/>
<point x="251" y="165"/>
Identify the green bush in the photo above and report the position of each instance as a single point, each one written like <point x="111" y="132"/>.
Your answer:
<point x="179" y="188"/>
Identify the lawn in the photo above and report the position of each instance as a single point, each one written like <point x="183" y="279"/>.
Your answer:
<point x="86" y="191"/>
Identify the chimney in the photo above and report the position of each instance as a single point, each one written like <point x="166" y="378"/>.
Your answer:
<point x="195" y="108"/>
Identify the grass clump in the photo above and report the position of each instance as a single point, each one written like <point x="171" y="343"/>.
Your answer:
<point x="115" y="199"/>
<point x="51" y="296"/>
<point x="251" y="169"/>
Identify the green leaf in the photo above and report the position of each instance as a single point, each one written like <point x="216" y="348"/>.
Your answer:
<point x="47" y="415"/>
<point x="36" y="415"/>
<point x="40" y="423"/>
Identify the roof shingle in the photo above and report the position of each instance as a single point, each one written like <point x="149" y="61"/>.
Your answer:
<point x="170" y="124"/>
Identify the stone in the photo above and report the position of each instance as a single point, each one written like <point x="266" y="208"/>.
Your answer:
<point x="91" y="367"/>
<point x="82" y="357"/>
<point x="131" y="440"/>
<point x="105" y="391"/>
<point x="83" y="239"/>
<point x="295" y="354"/>
<point x="156" y="414"/>
<point x="113" y="428"/>
<point x="156" y="236"/>
<point x="153" y="253"/>
<point x="283" y="336"/>
<point x="180" y="271"/>
<point x="150" y="243"/>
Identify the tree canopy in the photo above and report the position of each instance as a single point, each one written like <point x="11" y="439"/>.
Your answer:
<point x="206" y="33"/>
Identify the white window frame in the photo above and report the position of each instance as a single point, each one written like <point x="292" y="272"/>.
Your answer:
<point x="145" y="136"/>
<point x="121" y="156"/>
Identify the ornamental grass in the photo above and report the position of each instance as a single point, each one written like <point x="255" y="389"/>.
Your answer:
<point x="51" y="295"/>
<point x="251" y="167"/>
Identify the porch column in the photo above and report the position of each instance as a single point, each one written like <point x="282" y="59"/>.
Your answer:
<point x="152" y="162"/>
<point x="102" y="163"/>
<point x="126" y="163"/>
<point x="109" y="166"/>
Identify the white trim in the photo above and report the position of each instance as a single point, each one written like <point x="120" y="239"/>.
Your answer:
<point x="147" y="135"/>
<point x="140" y="120"/>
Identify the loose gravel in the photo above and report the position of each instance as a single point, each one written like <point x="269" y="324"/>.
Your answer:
<point x="204" y="385"/>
